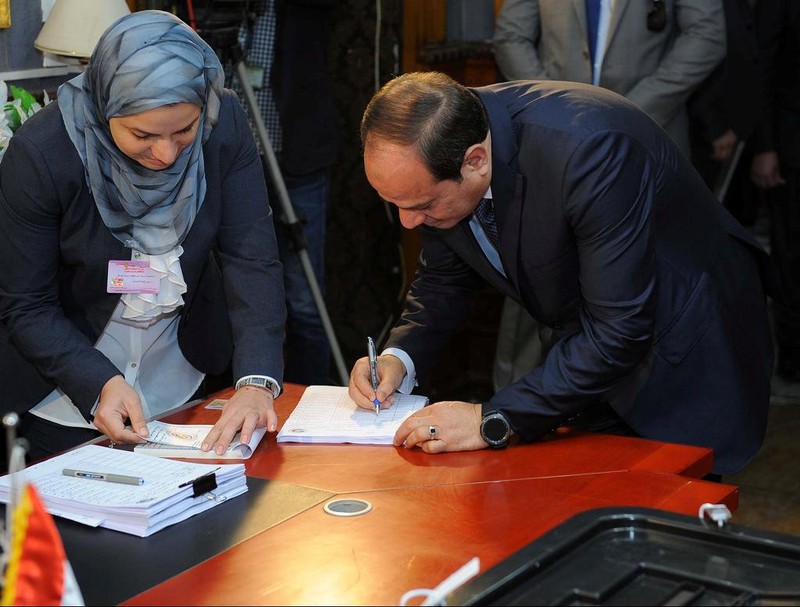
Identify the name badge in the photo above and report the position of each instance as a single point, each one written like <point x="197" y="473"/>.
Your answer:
<point x="131" y="277"/>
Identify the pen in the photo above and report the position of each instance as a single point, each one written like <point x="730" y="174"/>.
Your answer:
<point x="373" y="372"/>
<point x="104" y="476"/>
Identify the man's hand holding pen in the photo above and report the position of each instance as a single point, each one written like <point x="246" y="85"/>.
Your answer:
<point x="437" y="428"/>
<point x="390" y="372"/>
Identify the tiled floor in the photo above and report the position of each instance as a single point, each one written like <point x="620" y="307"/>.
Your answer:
<point x="769" y="487"/>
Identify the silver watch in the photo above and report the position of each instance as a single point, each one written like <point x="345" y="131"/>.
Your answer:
<point x="260" y="381"/>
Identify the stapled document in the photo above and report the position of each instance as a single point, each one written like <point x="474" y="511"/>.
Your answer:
<point x="169" y="492"/>
<point x="184" y="440"/>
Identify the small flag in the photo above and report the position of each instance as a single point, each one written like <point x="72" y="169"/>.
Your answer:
<point x="38" y="572"/>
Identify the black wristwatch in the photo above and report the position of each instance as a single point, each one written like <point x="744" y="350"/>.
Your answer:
<point x="495" y="429"/>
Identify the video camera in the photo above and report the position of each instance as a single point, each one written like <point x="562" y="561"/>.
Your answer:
<point x="218" y="22"/>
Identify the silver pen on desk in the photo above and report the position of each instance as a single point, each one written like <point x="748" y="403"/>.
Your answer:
<point x="373" y="372"/>
<point x="104" y="476"/>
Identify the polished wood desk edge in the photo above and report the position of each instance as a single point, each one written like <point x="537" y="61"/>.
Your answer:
<point x="680" y="460"/>
<point x="350" y="541"/>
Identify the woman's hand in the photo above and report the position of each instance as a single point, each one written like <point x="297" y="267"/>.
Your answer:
<point x="249" y="408"/>
<point x="119" y="403"/>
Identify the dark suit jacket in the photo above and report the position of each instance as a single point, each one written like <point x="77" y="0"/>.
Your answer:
<point x="609" y="237"/>
<point x="302" y="86"/>
<point x="55" y="247"/>
<point x="731" y="95"/>
<point x="779" y="68"/>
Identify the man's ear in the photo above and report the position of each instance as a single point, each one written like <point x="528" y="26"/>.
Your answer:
<point x="476" y="158"/>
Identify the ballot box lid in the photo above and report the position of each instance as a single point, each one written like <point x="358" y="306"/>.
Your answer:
<point x="642" y="556"/>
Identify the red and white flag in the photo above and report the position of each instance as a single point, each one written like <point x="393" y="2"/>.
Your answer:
<point x="37" y="569"/>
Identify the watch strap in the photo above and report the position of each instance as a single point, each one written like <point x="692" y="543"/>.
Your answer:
<point x="262" y="381"/>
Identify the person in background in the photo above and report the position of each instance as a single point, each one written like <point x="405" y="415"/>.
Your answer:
<point x="138" y="246"/>
<point x="572" y="201"/>
<point x="724" y="110"/>
<point x="654" y="52"/>
<point x="287" y="52"/>
<point x="776" y="167"/>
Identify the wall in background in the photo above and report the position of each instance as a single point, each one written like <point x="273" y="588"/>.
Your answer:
<point x="16" y="46"/>
<point x="16" y="42"/>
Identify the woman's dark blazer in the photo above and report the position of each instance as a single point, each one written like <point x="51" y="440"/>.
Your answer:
<point x="55" y="250"/>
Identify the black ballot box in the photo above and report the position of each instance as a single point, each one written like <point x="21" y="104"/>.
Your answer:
<point x="640" y="556"/>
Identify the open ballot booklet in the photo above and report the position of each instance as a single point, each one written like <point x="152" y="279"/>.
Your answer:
<point x="326" y="414"/>
<point x="184" y="440"/>
<point x="165" y="492"/>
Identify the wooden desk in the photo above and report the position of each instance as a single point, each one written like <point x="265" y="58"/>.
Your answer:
<point x="431" y="513"/>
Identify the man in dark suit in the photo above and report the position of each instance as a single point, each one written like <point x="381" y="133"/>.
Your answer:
<point x="606" y="235"/>
<point x="724" y="110"/>
<point x="776" y="167"/>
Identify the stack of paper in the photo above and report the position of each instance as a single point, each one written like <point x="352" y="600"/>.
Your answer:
<point x="184" y="440"/>
<point x="326" y="414"/>
<point x="171" y="491"/>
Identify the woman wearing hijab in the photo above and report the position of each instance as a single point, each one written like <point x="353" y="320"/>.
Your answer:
<point x="138" y="248"/>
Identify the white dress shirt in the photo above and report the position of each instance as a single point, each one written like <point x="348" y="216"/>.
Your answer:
<point x="602" y="37"/>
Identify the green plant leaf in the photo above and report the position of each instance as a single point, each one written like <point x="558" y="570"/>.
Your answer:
<point x="27" y="100"/>
<point x="13" y="115"/>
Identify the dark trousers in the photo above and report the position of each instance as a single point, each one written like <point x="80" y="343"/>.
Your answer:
<point x="307" y="349"/>
<point x="784" y="202"/>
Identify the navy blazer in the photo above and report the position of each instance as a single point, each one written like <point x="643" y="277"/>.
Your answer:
<point x="610" y="238"/>
<point x="55" y="250"/>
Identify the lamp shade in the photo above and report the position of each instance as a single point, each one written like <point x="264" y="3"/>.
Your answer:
<point x="74" y="26"/>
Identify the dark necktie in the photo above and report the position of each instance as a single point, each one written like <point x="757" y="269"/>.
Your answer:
<point x="592" y="19"/>
<point x="485" y="216"/>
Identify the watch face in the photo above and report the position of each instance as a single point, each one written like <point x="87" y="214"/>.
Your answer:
<point x="495" y="430"/>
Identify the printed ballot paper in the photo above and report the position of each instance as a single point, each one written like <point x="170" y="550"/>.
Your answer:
<point x="184" y="440"/>
<point x="326" y="414"/>
<point x="82" y="485"/>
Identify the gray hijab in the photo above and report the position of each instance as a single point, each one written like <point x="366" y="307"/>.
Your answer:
<point x="145" y="60"/>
